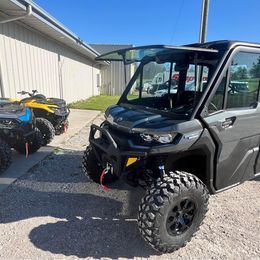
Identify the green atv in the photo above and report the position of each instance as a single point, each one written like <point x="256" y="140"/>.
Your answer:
<point x="17" y="130"/>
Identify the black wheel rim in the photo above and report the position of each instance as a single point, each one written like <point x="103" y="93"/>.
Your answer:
<point x="180" y="217"/>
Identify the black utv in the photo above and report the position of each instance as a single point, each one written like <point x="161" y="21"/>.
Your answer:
<point x="198" y="140"/>
<point x="17" y="130"/>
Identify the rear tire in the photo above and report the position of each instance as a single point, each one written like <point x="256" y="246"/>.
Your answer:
<point x="93" y="169"/>
<point x="5" y="156"/>
<point x="47" y="130"/>
<point x="34" y="144"/>
<point x="172" y="211"/>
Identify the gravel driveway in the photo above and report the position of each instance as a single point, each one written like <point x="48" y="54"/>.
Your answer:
<point x="54" y="211"/>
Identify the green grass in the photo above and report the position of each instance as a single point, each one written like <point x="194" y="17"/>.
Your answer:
<point x="101" y="103"/>
<point x="253" y="84"/>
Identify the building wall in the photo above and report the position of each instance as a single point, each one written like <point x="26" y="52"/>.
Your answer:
<point x="30" y="60"/>
<point x="79" y="77"/>
<point x="113" y="76"/>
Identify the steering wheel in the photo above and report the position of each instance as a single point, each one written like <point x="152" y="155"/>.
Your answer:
<point x="213" y="106"/>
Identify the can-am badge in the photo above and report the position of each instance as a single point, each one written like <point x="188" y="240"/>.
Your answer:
<point x="120" y="119"/>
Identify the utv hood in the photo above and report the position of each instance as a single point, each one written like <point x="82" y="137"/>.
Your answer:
<point x="139" y="121"/>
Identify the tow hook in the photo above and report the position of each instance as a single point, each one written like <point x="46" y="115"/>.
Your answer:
<point x="161" y="170"/>
<point x="103" y="174"/>
<point x="161" y="167"/>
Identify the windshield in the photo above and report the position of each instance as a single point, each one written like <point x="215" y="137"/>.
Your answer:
<point x="172" y="84"/>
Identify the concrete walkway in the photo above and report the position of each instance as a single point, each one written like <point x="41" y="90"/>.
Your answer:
<point x="77" y="119"/>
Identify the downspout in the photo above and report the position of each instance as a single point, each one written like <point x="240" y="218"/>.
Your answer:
<point x="92" y="79"/>
<point x="16" y="18"/>
<point x="1" y="83"/>
<point x="8" y="20"/>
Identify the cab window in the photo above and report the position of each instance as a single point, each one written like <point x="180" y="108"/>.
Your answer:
<point x="244" y="80"/>
<point x="242" y="86"/>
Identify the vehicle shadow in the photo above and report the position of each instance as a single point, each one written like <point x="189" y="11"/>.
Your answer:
<point x="256" y="179"/>
<point x="83" y="220"/>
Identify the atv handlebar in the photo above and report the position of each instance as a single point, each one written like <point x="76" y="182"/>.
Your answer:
<point x="34" y="91"/>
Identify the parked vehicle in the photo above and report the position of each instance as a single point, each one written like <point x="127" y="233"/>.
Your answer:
<point x="238" y="86"/>
<point x="158" y="80"/>
<point x="181" y="146"/>
<point x="51" y="113"/>
<point x="163" y="89"/>
<point x="146" y="86"/>
<point x="17" y="130"/>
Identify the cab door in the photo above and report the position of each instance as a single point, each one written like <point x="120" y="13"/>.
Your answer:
<point x="234" y="120"/>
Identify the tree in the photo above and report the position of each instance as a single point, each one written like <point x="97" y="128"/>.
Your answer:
<point x="255" y="70"/>
<point x="240" y="73"/>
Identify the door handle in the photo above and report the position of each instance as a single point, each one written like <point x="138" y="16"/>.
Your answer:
<point x="228" y="122"/>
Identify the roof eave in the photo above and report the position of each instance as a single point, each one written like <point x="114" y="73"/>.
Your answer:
<point x="41" y="21"/>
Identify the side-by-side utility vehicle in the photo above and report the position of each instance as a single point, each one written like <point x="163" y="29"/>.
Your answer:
<point x="181" y="145"/>
<point x="17" y="130"/>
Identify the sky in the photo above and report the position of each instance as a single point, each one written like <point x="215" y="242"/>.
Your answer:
<point x="141" y="22"/>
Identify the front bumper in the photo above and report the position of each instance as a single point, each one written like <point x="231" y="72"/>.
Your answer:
<point x="59" y="118"/>
<point x="23" y="133"/>
<point x="107" y="151"/>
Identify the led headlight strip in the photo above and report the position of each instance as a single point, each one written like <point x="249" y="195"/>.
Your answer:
<point x="160" y="138"/>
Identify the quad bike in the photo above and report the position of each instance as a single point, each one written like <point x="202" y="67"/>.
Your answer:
<point x="17" y="130"/>
<point x="51" y="114"/>
<point x="180" y="146"/>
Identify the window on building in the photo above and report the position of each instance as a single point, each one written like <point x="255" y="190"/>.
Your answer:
<point x="98" y="80"/>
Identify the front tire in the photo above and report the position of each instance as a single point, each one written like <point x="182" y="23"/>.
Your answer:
<point x="47" y="130"/>
<point x="93" y="169"/>
<point x="34" y="144"/>
<point x="172" y="211"/>
<point x="5" y="156"/>
<point x="61" y="129"/>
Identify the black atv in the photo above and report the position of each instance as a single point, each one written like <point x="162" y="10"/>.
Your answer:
<point x="51" y="113"/>
<point x="17" y="130"/>
<point x="182" y="145"/>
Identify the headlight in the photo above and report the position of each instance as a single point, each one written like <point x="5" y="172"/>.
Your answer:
<point x="60" y="111"/>
<point x="162" y="138"/>
<point x="56" y="110"/>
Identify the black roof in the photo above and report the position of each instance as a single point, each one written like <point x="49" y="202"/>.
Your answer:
<point x="224" y="44"/>
<point x="136" y="54"/>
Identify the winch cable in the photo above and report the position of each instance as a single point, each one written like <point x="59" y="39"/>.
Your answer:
<point x="102" y="176"/>
<point x="26" y="150"/>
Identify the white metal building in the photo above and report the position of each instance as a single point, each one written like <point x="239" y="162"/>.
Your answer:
<point x="116" y="75"/>
<point x="38" y="52"/>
